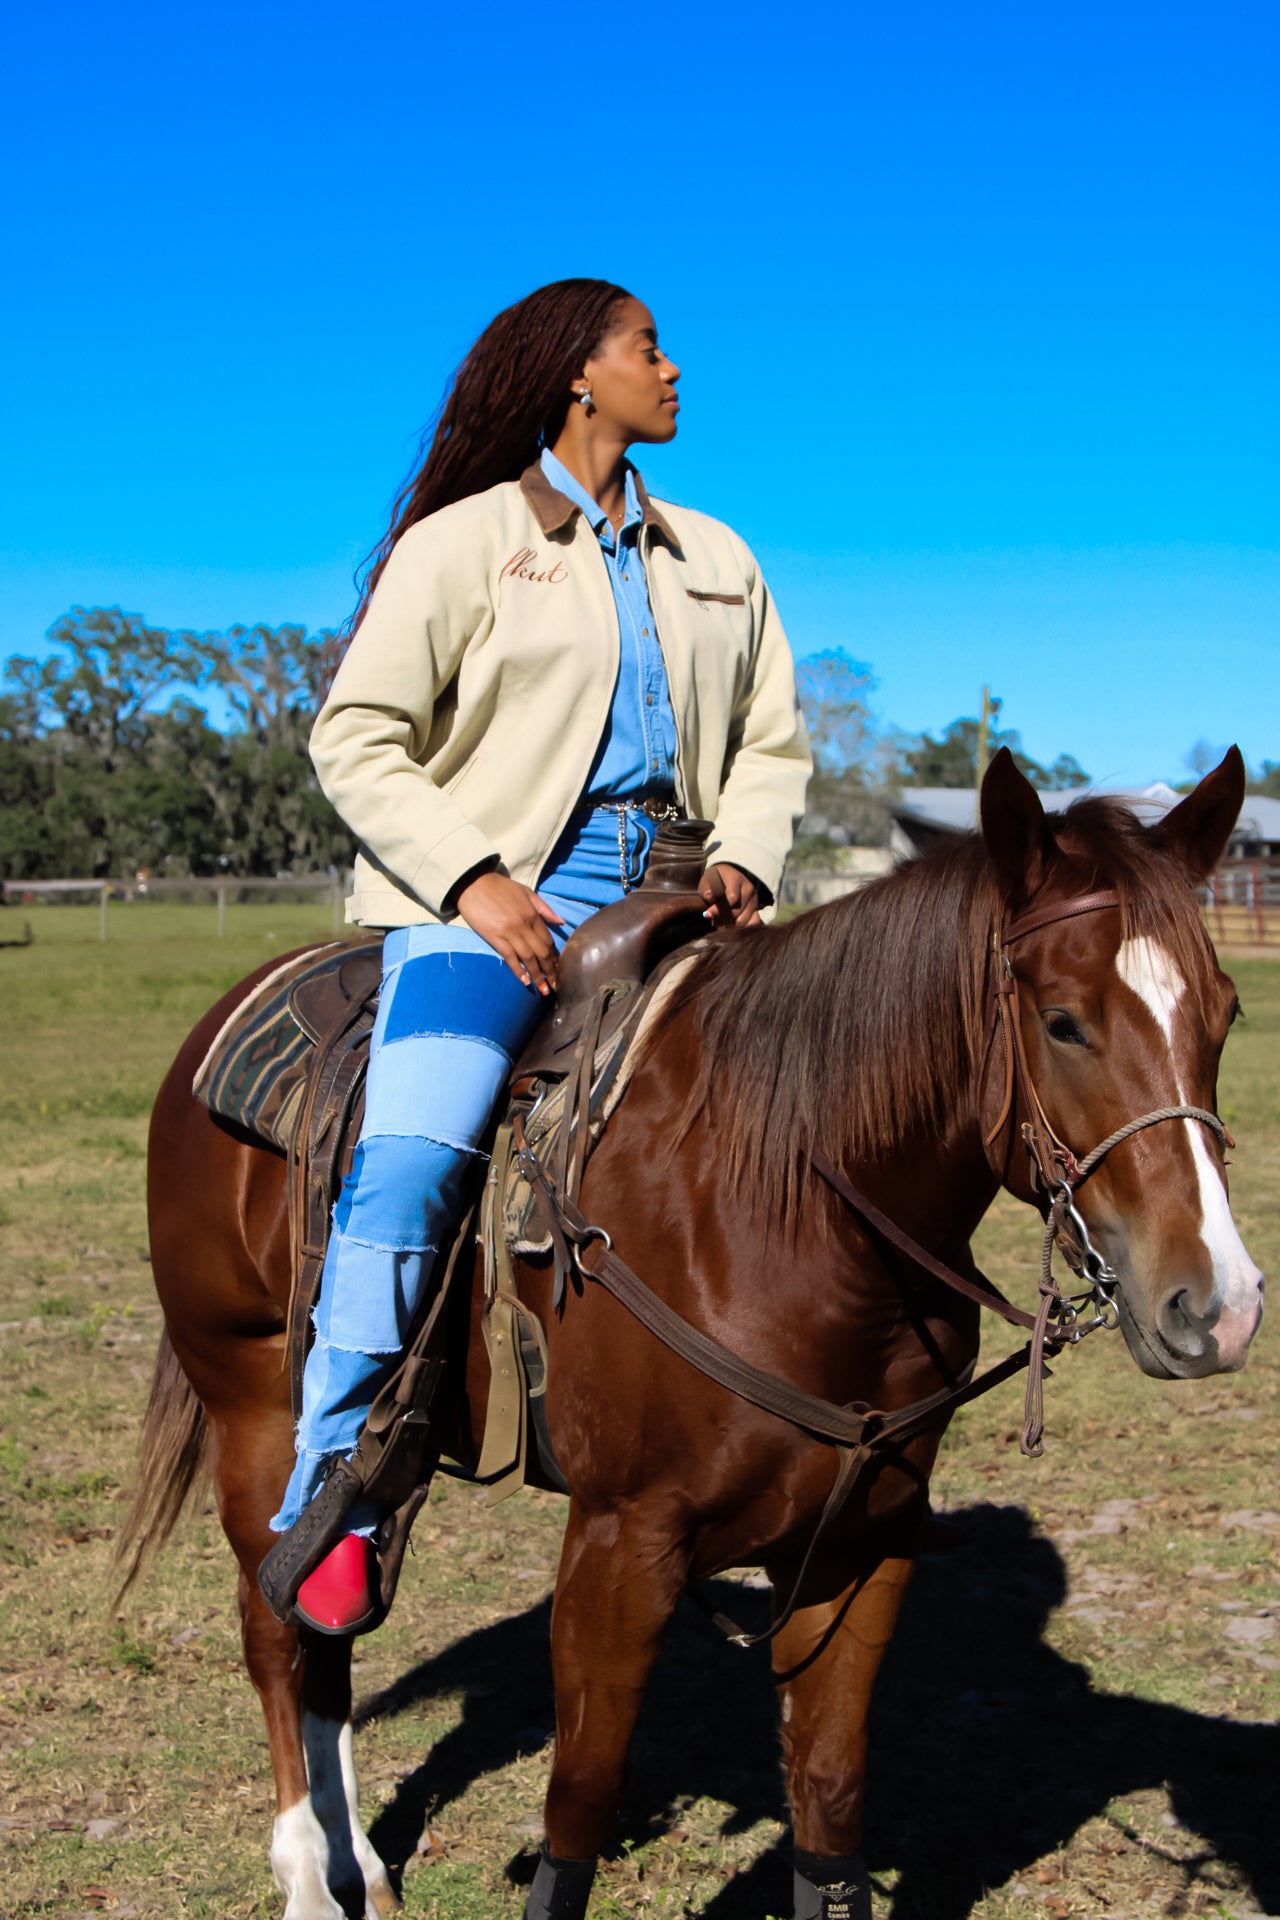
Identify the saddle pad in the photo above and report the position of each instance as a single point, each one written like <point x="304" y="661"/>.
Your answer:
<point x="255" y="1071"/>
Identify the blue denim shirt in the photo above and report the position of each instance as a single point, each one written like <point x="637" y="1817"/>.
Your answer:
<point x="637" y="752"/>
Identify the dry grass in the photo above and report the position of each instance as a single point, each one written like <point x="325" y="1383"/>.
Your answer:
<point x="1077" y="1717"/>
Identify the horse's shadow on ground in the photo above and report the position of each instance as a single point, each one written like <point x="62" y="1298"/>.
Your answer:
<point x="988" y="1748"/>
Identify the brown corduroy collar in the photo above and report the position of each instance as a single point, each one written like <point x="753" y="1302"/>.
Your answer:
<point x="554" y="510"/>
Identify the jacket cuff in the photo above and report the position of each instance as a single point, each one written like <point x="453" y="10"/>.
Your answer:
<point x="450" y="902"/>
<point x="764" y="895"/>
<point x="450" y="861"/>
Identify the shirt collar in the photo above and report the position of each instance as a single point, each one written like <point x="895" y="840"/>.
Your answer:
<point x="554" y="503"/>
<point x="563" y="482"/>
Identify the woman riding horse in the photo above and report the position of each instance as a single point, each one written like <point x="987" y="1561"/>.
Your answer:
<point x="543" y="666"/>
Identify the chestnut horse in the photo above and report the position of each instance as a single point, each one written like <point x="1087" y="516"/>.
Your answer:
<point x="863" y="1032"/>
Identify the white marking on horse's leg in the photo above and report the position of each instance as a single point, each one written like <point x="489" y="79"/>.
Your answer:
<point x="379" y="1897"/>
<point x="1237" y="1299"/>
<point x="335" y="1794"/>
<point x="300" y="1864"/>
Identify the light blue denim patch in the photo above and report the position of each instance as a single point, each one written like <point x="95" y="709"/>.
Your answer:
<point x="442" y="1087"/>
<point x="372" y="1295"/>
<point x="337" y="1391"/>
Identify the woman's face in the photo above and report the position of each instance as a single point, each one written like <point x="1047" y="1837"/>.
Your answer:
<point x="632" y="382"/>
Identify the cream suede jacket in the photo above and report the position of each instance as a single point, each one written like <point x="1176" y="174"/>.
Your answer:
<point x="464" y="719"/>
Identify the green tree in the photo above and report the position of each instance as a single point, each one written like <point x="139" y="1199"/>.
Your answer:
<point x="853" y="762"/>
<point x="99" y="776"/>
<point x="275" y="816"/>
<point x="112" y="669"/>
<point x="952" y="760"/>
<point x="26" y="787"/>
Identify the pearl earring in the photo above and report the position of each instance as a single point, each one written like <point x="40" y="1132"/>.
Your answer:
<point x="584" y="398"/>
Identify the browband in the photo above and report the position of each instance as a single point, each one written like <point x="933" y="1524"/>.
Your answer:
<point x="1061" y="910"/>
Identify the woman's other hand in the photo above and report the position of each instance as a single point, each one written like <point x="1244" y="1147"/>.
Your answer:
<point x="514" y="921"/>
<point x="731" y="897"/>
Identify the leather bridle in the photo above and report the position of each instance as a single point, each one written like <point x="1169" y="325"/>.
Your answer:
<point x="1057" y="1172"/>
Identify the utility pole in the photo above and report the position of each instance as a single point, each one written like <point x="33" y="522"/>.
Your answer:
<point x="990" y="712"/>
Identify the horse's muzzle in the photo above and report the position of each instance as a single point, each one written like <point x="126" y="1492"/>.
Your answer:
<point x="1182" y="1342"/>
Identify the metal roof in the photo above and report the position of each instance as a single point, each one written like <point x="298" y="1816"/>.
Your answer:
<point x="1259" y="819"/>
<point x="955" y="809"/>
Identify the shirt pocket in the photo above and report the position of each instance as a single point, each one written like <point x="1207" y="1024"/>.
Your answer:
<point x="706" y="598"/>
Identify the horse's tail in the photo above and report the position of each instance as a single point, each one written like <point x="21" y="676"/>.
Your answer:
<point x="171" y="1457"/>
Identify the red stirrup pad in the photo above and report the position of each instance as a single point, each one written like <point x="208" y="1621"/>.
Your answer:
<point x="338" y="1596"/>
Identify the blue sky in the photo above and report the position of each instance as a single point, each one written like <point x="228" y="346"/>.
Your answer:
<point x="976" y="308"/>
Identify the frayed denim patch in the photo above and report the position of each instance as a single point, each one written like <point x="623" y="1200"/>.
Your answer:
<point x="436" y="1087"/>
<point x="370" y="1294"/>
<point x="403" y="1192"/>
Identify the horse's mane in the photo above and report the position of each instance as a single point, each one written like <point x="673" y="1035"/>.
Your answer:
<point x="855" y="1025"/>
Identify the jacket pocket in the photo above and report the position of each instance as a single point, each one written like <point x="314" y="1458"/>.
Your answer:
<point x="719" y="599"/>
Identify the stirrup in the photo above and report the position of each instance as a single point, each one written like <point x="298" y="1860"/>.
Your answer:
<point x="300" y="1551"/>
<point x="341" y="1597"/>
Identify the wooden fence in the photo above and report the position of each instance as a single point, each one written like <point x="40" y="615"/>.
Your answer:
<point x="1242" y="903"/>
<point x="1241" y="900"/>
<point x="219" y="888"/>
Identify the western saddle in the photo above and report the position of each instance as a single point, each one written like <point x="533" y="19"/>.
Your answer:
<point x="561" y="1092"/>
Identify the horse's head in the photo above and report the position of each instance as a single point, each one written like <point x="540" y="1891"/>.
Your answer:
<point x="1124" y="1011"/>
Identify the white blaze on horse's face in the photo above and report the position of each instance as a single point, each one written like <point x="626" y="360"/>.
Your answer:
<point x="1200" y="1328"/>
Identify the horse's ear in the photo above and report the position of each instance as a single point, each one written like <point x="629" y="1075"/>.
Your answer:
<point x="1198" y="828"/>
<point x="1014" y="828"/>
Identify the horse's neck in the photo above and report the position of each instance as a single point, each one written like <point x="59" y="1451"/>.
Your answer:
<point x="936" y="1188"/>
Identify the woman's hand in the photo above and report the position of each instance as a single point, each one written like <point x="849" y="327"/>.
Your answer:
<point x="514" y="921"/>
<point x="731" y="897"/>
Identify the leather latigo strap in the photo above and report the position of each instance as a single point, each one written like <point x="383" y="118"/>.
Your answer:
<point x="335" y="1088"/>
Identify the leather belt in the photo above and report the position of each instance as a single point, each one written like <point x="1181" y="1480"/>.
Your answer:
<point x="661" y="805"/>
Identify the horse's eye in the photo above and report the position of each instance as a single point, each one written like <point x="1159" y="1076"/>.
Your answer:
<point x="1062" y="1027"/>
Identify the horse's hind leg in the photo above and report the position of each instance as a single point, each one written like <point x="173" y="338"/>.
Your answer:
<point x="620" y="1577"/>
<point x="825" y="1661"/>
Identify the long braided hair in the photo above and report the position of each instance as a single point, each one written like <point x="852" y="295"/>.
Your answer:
<point x="506" y="402"/>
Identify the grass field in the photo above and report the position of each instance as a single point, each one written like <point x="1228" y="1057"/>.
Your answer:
<point x="1076" y="1719"/>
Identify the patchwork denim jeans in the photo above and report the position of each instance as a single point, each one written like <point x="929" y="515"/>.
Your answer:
<point x="452" y="1019"/>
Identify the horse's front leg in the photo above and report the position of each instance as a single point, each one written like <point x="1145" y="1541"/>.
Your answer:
<point x="355" y="1871"/>
<point x="321" y="1858"/>
<point x="620" y="1577"/>
<point x="825" y="1661"/>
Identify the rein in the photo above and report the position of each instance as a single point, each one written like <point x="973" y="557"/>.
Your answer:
<point x="864" y="1433"/>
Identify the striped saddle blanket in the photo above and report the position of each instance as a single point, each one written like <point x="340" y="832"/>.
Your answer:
<point x="255" y="1071"/>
